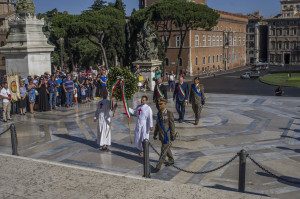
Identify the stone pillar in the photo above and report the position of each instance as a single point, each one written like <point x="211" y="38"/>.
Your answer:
<point x="147" y="68"/>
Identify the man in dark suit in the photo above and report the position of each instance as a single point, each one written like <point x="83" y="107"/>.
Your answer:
<point x="181" y="94"/>
<point x="160" y="91"/>
<point x="197" y="98"/>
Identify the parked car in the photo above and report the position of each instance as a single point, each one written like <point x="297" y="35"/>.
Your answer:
<point x="248" y="75"/>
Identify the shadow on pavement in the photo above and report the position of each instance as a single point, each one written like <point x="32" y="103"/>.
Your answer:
<point x="285" y="148"/>
<point x="221" y="187"/>
<point x="288" y="178"/>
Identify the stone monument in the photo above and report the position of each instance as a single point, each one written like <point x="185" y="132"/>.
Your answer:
<point x="27" y="51"/>
<point x="147" y="53"/>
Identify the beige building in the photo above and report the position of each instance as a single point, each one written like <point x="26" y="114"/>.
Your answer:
<point x="257" y="39"/>
<point x="203" y="51"/>
<point x="284" y="34"/>
<point x="7" y="11"/>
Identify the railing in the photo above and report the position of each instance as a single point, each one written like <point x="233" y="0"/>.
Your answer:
<point x="14" y="140"/>
<point x="243" y="155"/>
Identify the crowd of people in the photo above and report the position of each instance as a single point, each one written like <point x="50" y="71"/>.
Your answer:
<point x="47" y="92"/>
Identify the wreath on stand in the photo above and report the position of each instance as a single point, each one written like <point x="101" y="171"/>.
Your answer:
<point x="122" y="85"/>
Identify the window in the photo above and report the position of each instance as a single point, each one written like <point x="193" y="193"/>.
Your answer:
<point x="221" y="40"/>
<point x="239" y="41"/>
<point x="167" y="61"/>
<point x="196" y="61"/>
<point x="208" y="60"/>
<point x="294" y="45"/>
<point x="217" y="58"/>
<point x="2" y="43"/>
<point x="196" y="40"/>
<point x="3" y="60"/>
<point x="214" y="40"/>
<point x="230" y="41"/>
<point x="217" y="27"/>
<point x="177" y="41"/>
<point x="217" y="41"/>
<point x="221" y="58"/>
<point x="243" y="41"/>
<point x="213" y="59"/>
<point x="203" y="60"/>
<point x="273" y="45"/>
<point x="287" y="31"/>
<point x="164" y="39"/>
<point x="279" y="45"/>
<point x="286" y="45"/>
<point x="180" y="62"/>
<point x="204" y="40"/>
<point x="208" y="40"/>
<point x="294" y="31"/>
<point x="234" y="41"/>
<point x="279" y="32"/>
<point x="226" y="28"/>
<point x="221" y="28"/>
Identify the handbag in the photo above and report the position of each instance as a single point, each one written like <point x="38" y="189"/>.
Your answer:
<point x="141" y="78"/>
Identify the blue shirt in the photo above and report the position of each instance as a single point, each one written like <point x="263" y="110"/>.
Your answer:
<point x="68" y="83"/>
<point x="52" y="85"/>
<point x="80" y="79"/>
<point x="103" y="78"/>
<point x="59" y="81"/>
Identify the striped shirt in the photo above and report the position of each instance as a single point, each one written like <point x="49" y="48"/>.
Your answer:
<point x="68" y="83"/>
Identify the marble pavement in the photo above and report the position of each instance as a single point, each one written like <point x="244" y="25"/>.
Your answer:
<point x="267" y="127"/>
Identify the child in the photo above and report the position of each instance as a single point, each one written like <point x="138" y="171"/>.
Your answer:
<point x="75" y="94"/>
<point x="88" y="90"/>
<point x="83" y="94"/>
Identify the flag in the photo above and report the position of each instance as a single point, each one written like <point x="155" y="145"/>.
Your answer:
<point x="14" y="87"/>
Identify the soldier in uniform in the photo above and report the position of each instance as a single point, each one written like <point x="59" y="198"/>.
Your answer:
<point x="165" y="129"/>
<point x="197" y="98"/>
<point x="160" y="91"/>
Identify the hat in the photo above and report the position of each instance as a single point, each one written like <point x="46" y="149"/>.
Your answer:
<point x="162" y="100"/>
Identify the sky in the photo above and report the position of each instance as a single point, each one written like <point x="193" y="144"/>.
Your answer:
<point x="266" y="7"/>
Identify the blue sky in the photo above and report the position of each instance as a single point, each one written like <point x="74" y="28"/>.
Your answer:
<point x="267" y="7"/>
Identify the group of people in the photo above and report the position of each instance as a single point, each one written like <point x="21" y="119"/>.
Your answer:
<point x="164" y="128"/>
<point x="46" y="92"/>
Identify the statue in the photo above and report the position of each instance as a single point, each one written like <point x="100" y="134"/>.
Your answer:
<point x="147" y="44"/>
<point x="24" y="7"/>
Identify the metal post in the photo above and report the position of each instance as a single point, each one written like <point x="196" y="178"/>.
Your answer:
<point x="242" y="170"/>
<point x="146" y="159"/>
<point x="14" y="140"/>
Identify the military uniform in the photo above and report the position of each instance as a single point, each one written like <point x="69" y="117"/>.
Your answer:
<point x="165" y="133"/>
<point x="197" y="99"/>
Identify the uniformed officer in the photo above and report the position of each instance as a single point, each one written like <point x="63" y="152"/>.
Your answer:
<point x="197" y="99"/>
<point x="181" y="94"/>
<point x="165" y="129"/>
<point x="160" y="91"/>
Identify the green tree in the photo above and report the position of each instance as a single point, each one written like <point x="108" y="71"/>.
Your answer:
<point x="98" y="5"/>
<point x="120" y="6"/>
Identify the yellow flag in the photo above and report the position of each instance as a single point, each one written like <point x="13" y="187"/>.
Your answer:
<point x="14" y="87"/>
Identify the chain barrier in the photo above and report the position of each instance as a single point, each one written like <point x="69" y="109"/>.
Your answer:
<point x="197" y="172"/>
<point x="5" y="131"/>
<point x="270" y="173"/>
<point x="209" y="171"/>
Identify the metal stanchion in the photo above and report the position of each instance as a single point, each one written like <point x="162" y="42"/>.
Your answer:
<point x="14" y="140"/>
<point x="146" y="159"/>
<point x="242" y="170"/>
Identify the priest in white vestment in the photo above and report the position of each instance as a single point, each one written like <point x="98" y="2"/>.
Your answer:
<point x="103" y="117"/>
<point x="144" y="123"/>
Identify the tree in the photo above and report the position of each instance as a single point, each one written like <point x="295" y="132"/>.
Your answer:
<point x="189" y="16"/>
<point x="120" y="6"/>
<point x="98" y="5"/>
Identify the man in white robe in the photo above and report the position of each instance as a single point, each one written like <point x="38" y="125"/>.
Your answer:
<point x="144" y="123"/>
<point x="103" y="117"/>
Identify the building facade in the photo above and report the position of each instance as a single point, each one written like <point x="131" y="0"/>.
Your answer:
<point x="222" y="48"/>
<point x="284" y="34"/>
<point x="257" y="39"/>
<point x="7" y="11"/>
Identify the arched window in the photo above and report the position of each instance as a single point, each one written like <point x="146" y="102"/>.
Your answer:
<point x="167" y="61"/>
<point x="3" y="60"/>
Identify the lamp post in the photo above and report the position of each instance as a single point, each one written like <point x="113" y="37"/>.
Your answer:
<point x="60" y="41"/>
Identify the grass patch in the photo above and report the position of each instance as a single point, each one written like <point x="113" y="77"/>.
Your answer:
<point x="281" y="79"/>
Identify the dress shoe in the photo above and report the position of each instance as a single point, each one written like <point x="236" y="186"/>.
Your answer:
<point x="196" y="122"/>
<point x="155" y="170"/>
<point x="169" y="164"/>
<point x="180" y="121"/>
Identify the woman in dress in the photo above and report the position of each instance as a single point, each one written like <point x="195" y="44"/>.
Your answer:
<point x="31" y="94"/>
<point x="43" y="96"/>
<point x="140" y="83"/>
<point x="22" y="102"/>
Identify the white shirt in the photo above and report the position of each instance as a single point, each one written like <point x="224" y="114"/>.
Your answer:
<point x="171" y="77"/>
<point x="5" y="93"/>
